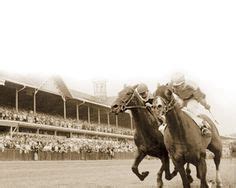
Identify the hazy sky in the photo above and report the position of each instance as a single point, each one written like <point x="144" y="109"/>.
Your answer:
<point x="126" y="42"/>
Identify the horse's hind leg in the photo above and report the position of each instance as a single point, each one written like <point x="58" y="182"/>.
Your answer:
<point x="202" y="169"/>
<point x="159" y="176"/>
<point x="184" y="178"/>
<point x="218" y="177"/>
<point x="166" y="163"/>
<point x="188" y="172"/>
<point x="139" y="157"/>
<point x="165" y="166"/>
<point x="216" y="148"/>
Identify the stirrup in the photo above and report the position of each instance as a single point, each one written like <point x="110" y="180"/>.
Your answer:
<point x="162" y="128"/>
<point x="205" y="132"/>
<point x="206" y="124"/>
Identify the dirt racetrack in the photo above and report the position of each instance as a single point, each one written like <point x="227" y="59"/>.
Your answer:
<point x="98" y="174"/>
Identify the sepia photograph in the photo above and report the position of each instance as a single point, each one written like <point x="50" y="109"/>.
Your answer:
<point x="117" y="94"/>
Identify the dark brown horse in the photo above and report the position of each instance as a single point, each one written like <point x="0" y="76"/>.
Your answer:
<point x="184" y="141"/>
<point x="148" y="138"/>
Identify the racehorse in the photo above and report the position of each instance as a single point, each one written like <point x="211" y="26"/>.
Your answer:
<point x="183" y="139"/>
<point x="147" y="137"/>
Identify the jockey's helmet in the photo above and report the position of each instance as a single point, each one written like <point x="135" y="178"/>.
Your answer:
<point x="177" y="79"/>
<point x="142" y="88"/>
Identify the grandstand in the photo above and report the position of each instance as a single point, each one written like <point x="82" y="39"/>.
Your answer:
<point x="41" y="99"/>
<point x="35" y="107"/>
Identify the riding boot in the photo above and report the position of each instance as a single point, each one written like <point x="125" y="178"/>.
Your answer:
<point x="162" y="128"/>
<point x="205" y="131"/>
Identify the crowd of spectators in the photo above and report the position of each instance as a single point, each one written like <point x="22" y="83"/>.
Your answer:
<point x="7" y="113"/>
<point x="26" y="143"/>
<point x="233" y="146"/>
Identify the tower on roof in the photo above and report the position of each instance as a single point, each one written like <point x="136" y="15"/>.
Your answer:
<point x="100" y="90"/>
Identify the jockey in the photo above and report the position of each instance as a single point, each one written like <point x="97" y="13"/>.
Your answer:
<point x="144" y="93"/>
<point x="193" y="98"/>
<point x="148" y="99"/>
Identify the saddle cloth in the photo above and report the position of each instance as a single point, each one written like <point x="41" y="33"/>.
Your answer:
<point x="196" y="119"/>
<point x="194" y="110"/>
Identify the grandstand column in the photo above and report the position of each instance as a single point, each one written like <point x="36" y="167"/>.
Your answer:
<point x="35" y="93"/>
<point x="131" y="119"/>
<point x="99" y="118"/>
<point x="108" y="118"/>
<point x="77" y="109"/>
<point x="11" y="131"/>
<point x="64" y="102"/>
<point x="116" y="120"/>
<point x="17" y="97"/>
<point x="88" y="114"/>
<point x="16" y="100"/>
<point x="55" y="133"/>
<point x="37" y="131"/>
<point x="77" y="112"/>
<point x="34" y="103"/>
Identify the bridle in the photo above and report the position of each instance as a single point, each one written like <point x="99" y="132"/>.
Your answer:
<point x="127" y="103"/>
<point x="168" y="105"/>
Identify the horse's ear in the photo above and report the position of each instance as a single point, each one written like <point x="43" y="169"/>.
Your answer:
<point x="168" y="92"/>
<point x="155" y="92"/>
<point x="135" y="86"/>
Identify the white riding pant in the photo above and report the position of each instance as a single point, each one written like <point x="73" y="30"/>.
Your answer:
<point x="197" y="109"/>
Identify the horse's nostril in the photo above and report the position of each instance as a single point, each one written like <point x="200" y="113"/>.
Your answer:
<point x="114" y="106"/>
<point x="159" y="106"/>
<point x="122" y="108"/>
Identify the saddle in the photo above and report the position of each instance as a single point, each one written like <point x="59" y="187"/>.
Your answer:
<point x="197" y="118"/>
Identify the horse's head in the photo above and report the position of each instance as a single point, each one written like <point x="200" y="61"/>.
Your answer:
<point x="164" y="98"/>
<point x="124" y="99"/>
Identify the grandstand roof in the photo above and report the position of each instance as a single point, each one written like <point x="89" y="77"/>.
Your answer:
<point x="84" y="96"/>
<point x="51" y="84"/>
<point x="110" y="100"/>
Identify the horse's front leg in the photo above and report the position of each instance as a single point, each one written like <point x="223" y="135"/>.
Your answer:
<point x="166" y="165"/>
<point x="159" y="176"/>
<point x="139" y="157"/>
<point x="188" y="172"/>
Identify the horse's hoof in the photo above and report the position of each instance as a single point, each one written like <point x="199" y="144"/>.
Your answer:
<point x="134" y="169"/>
<point x="174" y="173"/>
<point x="210" y="183"/>
<point x="170" y="176"/>
<point x="144" y="175"/>
<point x="219" y="185"/>
<point x="190" y="179"/>
<point x="159" y="184"/>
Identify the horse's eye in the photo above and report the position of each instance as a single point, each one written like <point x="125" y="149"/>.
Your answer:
<point x="168" y="93"/>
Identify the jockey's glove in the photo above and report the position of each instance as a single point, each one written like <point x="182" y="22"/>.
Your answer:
<point x="204" y="103"/>
<point x="207" y="106"/>
<point x="149" y="105"/>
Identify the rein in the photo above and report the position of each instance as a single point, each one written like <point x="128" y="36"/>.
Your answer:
<point x="139" y="106"/>
<point x="168" y="106"/>
<point x="132" y="107"/>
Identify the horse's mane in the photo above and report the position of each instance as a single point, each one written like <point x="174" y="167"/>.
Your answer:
<point x="161" y="89"/>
